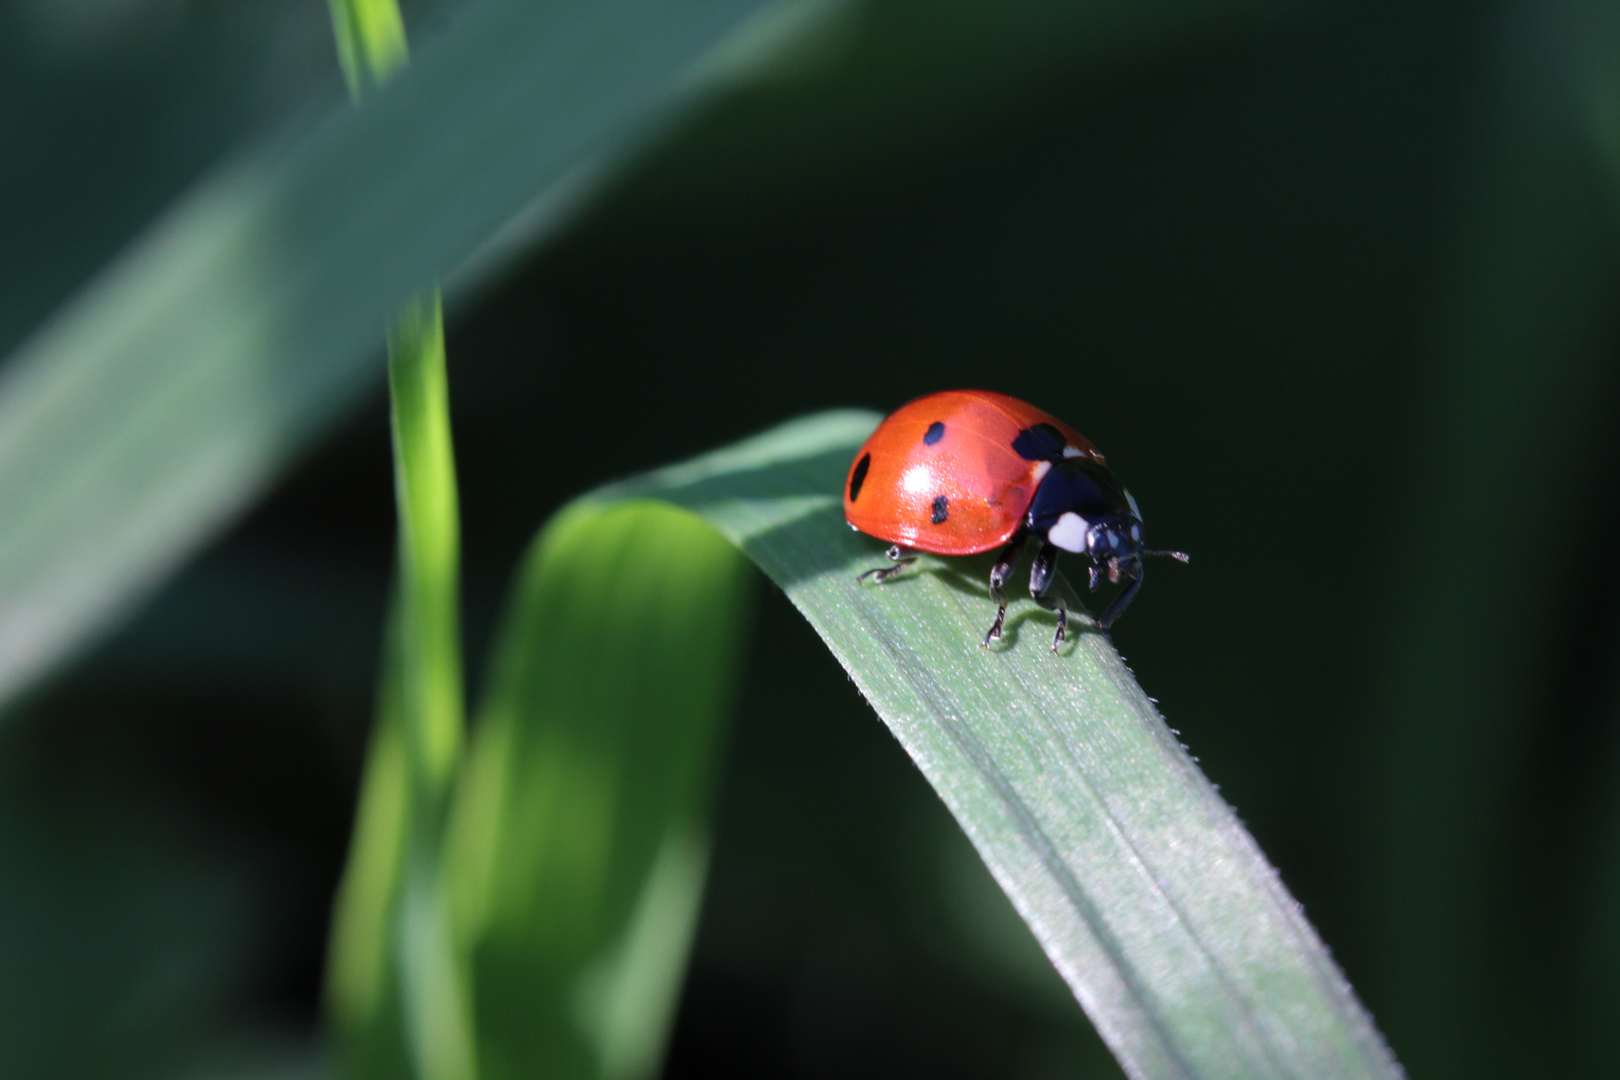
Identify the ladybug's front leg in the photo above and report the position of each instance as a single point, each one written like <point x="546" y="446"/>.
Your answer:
<point x="1041" y="576"/>
<point x="1123" y="600"/>
<point x="901" y="557"/>
<point x="1006" y="563"/>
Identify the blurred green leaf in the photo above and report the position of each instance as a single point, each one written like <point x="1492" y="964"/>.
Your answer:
<point x="1522" y="342"/>
<point x="396" y="986"/>
<point x="428" y="707"/>
<point x="422" y="706"/>
<point x="371" y="41"/>
<point x="162" y="399"/>
<point x="429" y="616"/>
<point x="1146" y="892"/>
<point x="362" y="978"/>
<point x="579" y="840"/>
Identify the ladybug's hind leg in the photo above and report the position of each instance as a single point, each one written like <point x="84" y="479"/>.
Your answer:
<point x="900" y="556"/>
<point x="1041" y="576"/>
<point x="1006" y="563"/>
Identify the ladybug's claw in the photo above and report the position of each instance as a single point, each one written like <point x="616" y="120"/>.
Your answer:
<point x="1041" y="576"/>
<point x="999" y="573"/>
<point x="901" y="557"/>
<point x="880" y="574"/>
<point x="994" y="633"/>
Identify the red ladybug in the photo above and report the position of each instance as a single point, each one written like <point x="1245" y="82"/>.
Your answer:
<point x="965" y="471"/>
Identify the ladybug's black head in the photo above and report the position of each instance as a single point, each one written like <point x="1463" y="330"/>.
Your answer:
<point x="1081" y="507"/>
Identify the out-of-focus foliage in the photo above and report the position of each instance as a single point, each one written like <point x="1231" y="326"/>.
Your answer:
<point x="574" y="858"/>
<point x="1332" y="285"/>
<point x="198" y="363"/>
<point x="581" y="835"/>
<point x="399" y="991"/>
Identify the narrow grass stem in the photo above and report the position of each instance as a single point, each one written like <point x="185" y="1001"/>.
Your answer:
<point x="429" y="547"/>
<point x="370" y="38"/>
<point x="424" y="707"/>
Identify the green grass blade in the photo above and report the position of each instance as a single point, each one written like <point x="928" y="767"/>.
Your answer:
<point x="1146" y="892"/>
<point x="578" y="843"/>
<point x="371" y="45"/>
<point x="362" y="979"/>
<point x="164" y="397"/>
<point x="429" y="548"/>
<point x="421" y="709"/>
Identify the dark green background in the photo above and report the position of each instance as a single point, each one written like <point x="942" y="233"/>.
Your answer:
<point x="1333" y="286"/>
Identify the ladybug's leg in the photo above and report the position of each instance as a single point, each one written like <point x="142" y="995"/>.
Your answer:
<point x="1041" y="576"/>
<point x="901" y="557"/>
<point x="1006" y="562"/>
<point x="1123" y="600"/>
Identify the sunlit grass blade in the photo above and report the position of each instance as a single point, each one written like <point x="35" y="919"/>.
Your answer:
<point x="1146" y="892"/>
<point x="362" y="976"/>
<point x="165" y="397"/>
<point x="578" y="845"/>
<point x="370" y="38"/>
<point x="422" y="710"/>
<point x="429" y="636"/>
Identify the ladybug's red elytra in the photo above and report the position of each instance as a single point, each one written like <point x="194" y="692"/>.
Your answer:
<point x="965" y="471"/>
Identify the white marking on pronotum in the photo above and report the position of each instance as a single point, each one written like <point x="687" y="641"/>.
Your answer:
<point x="1041" y="469"/>
<point x="1070" y="532"/>
<point x="1136" y="511"/>
<point x="1073" y="451"/>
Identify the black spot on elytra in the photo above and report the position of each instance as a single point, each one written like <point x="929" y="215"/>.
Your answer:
<point x="935" y="432"/>
<point x="1040" y="442"/>
<point x="941" y="510"/>
<point x="858" y="477"/>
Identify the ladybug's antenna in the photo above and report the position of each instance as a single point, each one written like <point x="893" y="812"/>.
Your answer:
<point x="1179" y="556"/>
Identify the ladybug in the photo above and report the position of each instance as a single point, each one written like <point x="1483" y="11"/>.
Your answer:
<point x="965" y="471"/>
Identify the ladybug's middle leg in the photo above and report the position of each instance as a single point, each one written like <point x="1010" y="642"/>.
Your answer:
<point x="1041" y="576"/>
<point x="900" y="556"/>
<point x="1006" y="563"/>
